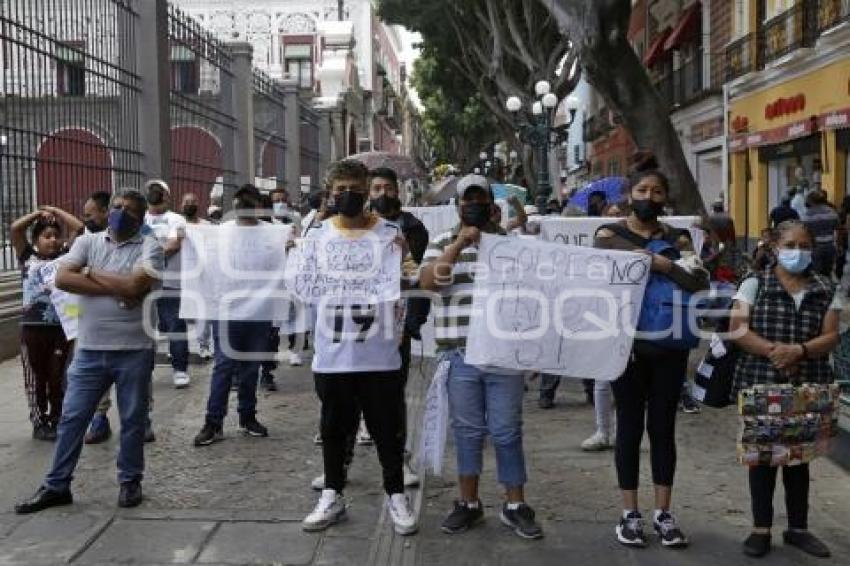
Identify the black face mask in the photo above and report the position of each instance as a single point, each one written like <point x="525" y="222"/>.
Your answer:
<point x="647" y="210"/>
<point x="386" y="206"/>
<point x="155" y="197"/>
<point x="190" y="210"/>
<point x="475" y="214"/>
<point x="93" y="226"/>
<point x="349" y="203"/>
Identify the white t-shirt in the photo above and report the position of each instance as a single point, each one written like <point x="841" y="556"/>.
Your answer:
<point x="748" y="291"/>
<point x="357" y="338"/>
<point x="166" y="226"/>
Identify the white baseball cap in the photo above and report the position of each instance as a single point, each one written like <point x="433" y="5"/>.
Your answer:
<point x="473" y="181"/>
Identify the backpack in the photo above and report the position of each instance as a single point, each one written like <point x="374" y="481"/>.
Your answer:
<point x="665" y="314"/>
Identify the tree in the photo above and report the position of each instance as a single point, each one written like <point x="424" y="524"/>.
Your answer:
<point x="598" y="30"/>
<point x="454" y="119"/>
<point x="495" y="48"/>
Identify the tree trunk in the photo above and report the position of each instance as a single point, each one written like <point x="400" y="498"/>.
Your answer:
<point x="611" y="66"/>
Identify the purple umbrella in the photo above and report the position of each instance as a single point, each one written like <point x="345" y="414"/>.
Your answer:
<point x="613" y="188"/>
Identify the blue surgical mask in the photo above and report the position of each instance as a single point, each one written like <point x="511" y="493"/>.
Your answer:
<point x="122" y="223"/>
<point x="794" y="261"/>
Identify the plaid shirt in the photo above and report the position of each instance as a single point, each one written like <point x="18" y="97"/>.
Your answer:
<point x="453" y="309"/>
<point x="775" y="317"/>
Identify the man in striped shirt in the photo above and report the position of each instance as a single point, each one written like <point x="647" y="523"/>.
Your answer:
<point x="481" y="400"/>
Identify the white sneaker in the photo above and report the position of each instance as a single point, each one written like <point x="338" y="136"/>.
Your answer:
<point x="205" y="353"/>
<point x="181" y="379"/>
<point x="404" y="520"/>
<point x="596" y="443"/>
<point x="318" y="483"/>
<point x="329" y="510"/>
<point x="294" y="359"/>
<point x="410" y="477"/>
<point x="363" y="437"/>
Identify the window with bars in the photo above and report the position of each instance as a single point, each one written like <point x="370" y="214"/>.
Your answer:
<point x="185" y="70"/>
<point x="298" y="62"/>
<point x="71" y="69"/>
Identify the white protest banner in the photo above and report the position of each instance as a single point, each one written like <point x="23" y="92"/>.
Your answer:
<point x="564" y="310"/>
<point x="579" y="231"/>
<point x="437" y="219"/>
<point x="67" y="305"/>
<point x="232" y="272"/>
<point x="341" y="269"/>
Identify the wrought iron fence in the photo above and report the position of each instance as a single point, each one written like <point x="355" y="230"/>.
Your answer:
<point x="68" y="95"/>
<point x="269" y="140"/>
<point x="310" y="156"/>
<point x="790" y="30"/>
<point x="832" y="13"/>
<point x="742" y="56"/>
<point x="202" y="122"/>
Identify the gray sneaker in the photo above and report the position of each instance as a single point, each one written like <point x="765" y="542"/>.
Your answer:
<point x="521" y="520"/>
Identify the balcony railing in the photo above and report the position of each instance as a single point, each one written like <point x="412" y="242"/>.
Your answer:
<point x="832" y="13"/>
<point x="792" y="29"/>
<point x="742" y="57"/>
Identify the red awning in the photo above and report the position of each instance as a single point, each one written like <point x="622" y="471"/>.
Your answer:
<point x="687" y="27"/>
<point x="656" y="50"/>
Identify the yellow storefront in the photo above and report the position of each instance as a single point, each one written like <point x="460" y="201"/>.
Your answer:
<point x="792" y="133"/>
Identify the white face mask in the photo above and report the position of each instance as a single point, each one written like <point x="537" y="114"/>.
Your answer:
<point x="279" y="208"/>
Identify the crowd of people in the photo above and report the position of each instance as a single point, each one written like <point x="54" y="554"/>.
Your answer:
<point x="128" y="246"/>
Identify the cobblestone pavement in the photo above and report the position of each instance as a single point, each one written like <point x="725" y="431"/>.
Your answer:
<point x="241" y="501"/>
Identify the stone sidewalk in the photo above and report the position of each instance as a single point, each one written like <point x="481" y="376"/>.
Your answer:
<point x="240" y="501"/>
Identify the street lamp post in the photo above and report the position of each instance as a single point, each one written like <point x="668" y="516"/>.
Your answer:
<point x="536" y="130"/>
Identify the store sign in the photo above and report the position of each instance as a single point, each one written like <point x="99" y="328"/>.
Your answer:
<point x="836" y="120"/>
<point x="740" y="124"/>
<point x="785" y="107"/>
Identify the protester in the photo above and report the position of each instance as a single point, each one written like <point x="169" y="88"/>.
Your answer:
<point x="786" y="320"/>
<point x="249" y="337"/>
<point x="203" y="328"/>
<point x="111" y="271"/>
<point x="44" y="347"/>
<point x="481" y="399"/>
<point x="170" y="229"/>
<point x="822" y="220"/>
<point x="647" y="394"/>
<point x="596" y="203"/>
<point x="358" y="374"/>
<point x="784" y="211"/>
<point x="96" y="212"/>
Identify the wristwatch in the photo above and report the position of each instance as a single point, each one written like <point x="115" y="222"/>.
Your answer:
<point x="86" y="271"/>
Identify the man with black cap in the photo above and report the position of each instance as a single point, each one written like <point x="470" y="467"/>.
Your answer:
<point x="481" y="400"/>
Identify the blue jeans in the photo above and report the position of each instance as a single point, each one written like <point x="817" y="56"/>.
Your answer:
<point x="89" y="376"/>
<point x="245" y="337"/>
<point x="168" y="311"/>
<point x="482" y="402"/>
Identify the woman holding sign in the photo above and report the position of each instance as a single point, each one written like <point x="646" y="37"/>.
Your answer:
<point x="647" y="394"/>
<point x="786" y="323"/>
<point x="44" y="348"/>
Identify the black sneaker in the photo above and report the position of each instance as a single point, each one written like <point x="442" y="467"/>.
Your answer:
<point x="43" y="432"/>
<point x="209" y="434"/>
<point x="251" y="427"/>
<point x="669" y="532"/>
<point x="130" y="494"/>
<point x="807" y="542"/>
<point x="149" y="434"/>
<point x="462" y="518"/>
<point x="521" y="520"/>
<point x="757" y="545"/>
<point x="267" y="382"/>
<point x="689" y="404"/>
<point x="630" y="530"/>
<point x="44" y="498"/>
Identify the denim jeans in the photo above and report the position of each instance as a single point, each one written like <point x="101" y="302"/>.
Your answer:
<point x="244" y="337"/>
<point x="89" y="376"/>
<point x="168" y="311"/>
<point x="481" y="402"/>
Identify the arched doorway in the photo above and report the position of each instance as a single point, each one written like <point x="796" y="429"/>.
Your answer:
<point x="195" y="164"/>
<point x="70" y="165"/>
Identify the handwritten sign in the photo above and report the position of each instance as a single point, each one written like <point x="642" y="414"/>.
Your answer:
<point x="340" y="269"/>
<point x="565" y="310"/>
<point x="67" y="305"/>
<point x="580" y="231"/>
<point x="232" y="272"/>
<point x="435" y="420"/>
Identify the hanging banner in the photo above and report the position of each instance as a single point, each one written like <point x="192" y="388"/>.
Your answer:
<point x="564" y="310"/>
